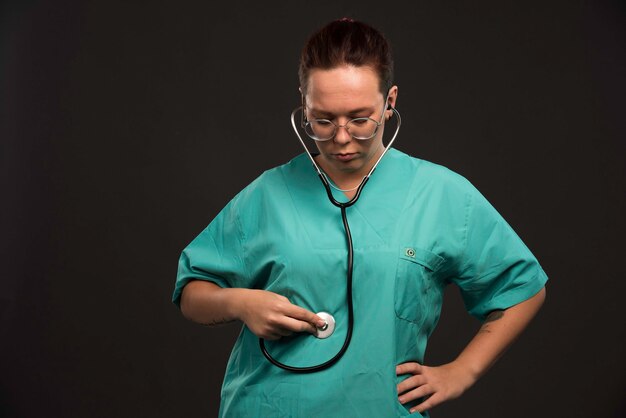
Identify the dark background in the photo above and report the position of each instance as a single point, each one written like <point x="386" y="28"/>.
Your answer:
<point x="126" y="126"/>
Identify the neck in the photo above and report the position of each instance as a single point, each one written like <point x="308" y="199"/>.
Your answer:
<point x="349" y="180"/>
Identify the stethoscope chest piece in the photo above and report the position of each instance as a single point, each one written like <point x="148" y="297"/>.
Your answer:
<point x="328" y="329"/>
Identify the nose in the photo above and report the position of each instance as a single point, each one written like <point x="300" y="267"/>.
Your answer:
<point x="342" y="136"/>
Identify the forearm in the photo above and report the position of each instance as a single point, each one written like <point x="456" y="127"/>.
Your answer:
<point x="207" y="303"/>
<point x="496" y="334"/>
<point x="268" y="315"/>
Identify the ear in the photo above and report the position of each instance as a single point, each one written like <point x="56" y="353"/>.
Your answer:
<point x="391" y="101"/>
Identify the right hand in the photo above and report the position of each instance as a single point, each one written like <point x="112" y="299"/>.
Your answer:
<point x="271" y="316"/>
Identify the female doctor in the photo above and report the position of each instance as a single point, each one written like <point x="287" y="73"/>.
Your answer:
<point x="276" y="254"/>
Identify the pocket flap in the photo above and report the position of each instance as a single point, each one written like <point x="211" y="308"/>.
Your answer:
<point x="426" y="258"/>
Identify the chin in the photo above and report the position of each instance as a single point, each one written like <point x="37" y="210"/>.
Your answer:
<point x="349" y="168"/>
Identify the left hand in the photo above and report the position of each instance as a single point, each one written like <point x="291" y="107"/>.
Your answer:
<point x="435" y="384"/>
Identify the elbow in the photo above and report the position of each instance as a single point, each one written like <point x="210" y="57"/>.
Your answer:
<point x="198" y="301"/>
<point x="186" y="302"/>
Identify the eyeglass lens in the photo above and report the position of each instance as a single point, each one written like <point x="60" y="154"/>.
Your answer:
<point x="323" y="129"/>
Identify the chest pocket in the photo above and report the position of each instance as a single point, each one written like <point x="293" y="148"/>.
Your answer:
<point x="416" y="287"/>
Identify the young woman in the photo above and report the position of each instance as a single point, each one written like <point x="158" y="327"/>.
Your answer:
<point x="276" y="255"/>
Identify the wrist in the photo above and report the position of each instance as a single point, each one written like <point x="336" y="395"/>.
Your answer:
<point x="236" y="301"/>
<point x="470" y="370"/>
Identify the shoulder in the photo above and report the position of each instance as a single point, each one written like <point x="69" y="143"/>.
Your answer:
<point x="449" y="191"/>
<point x="424" y="173"/>
<point x="274" y="180"/>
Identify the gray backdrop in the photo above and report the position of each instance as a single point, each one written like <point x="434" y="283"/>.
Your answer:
<point x="126" y="126"/>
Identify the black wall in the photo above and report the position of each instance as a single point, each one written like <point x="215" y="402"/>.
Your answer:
<point x="126" y="126"/>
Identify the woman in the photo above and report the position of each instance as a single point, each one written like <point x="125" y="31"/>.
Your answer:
<point x="277" y="253"/>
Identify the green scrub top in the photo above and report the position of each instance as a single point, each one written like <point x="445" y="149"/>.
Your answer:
<point x="416" y="228"/>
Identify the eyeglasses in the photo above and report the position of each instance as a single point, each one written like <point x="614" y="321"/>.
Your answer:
<point x="325" y="129"/>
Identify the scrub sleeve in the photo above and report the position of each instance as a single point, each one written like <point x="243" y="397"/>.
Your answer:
<point x="498" y="270"/>
<point x="215" y="255"/>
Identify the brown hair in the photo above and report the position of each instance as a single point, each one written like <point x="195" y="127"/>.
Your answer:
<point x="347" y="42"/>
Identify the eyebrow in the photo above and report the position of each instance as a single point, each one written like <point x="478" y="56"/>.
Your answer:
<point x="323" y="113"/>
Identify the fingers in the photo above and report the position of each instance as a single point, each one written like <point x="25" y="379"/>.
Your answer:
<point x="298" y="319"/>
<point x="419" y="392"/>
<point x="414" y="387"/>
<point x="296" y="312"/>
<point x="282" y="324"/>
<point x="409" y="368"/>
<point x="285" y="327"/>
<point x="295" y="325"/>
<point x="431" y="386"/>
<point x="272" y="316"/>
<point x="272" y="330"/>
<point x="429" y="403"/>
<point x="411" y="383"/>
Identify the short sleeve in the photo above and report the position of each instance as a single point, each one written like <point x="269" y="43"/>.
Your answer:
<point x="215" y="255"/>
<point x="497" y="269"/>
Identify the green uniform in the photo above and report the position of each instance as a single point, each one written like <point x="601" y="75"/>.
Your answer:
<point x="416" y="228"/>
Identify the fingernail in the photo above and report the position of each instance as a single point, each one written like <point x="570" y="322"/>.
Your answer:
<point x="321" y="323"/>
<point x="401" y="399"/>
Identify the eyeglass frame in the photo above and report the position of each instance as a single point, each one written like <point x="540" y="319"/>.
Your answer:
<point x="304" y="122"/>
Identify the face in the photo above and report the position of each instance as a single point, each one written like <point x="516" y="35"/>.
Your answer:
<point x="341" y="94"/>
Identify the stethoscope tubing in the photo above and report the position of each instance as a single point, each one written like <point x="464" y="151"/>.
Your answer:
<point x="346" y="343"/>
<point x="350" y="261"/>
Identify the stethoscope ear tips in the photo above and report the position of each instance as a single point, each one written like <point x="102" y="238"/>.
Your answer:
<point x="388" y="112"/>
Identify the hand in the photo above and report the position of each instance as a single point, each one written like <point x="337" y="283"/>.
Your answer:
<point x="271" y="316"/>
<point x="435" y="384"/>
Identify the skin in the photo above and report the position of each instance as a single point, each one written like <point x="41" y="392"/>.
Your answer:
<point x="442" y="383"/>
<point x="340" y="94"/>
<point x="268" y="315"/>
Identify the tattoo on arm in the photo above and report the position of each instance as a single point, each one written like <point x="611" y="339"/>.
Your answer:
<point x="217" y="321"/>
<point x="491" y="317"/>
<point x="494" y="315"/>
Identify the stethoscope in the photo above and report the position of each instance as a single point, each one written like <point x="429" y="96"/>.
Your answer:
<point x="328" y="328"/>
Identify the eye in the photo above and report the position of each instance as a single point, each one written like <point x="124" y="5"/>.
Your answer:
<point x="359" y="121"/>
<point x="323" y="122"/>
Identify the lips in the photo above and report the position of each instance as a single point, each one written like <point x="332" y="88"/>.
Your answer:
<point x="345" y="156"/>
